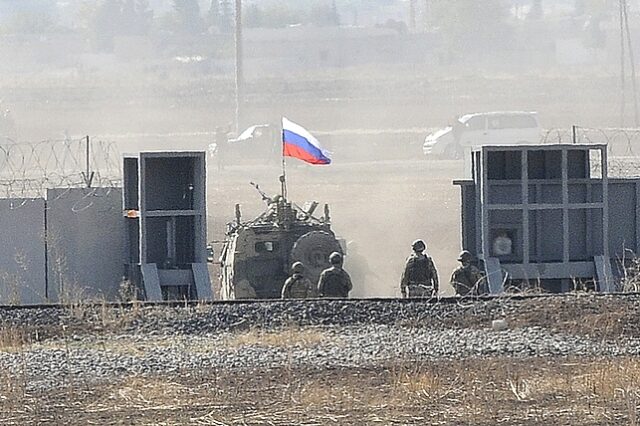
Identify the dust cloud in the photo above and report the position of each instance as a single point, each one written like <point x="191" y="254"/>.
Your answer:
<point x="369" y="78"/>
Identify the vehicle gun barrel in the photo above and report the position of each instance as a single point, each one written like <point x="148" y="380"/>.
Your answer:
<point x="264" y="196"/>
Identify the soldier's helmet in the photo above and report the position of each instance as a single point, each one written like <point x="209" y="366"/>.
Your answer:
<point x="335" y="258"/>
<point x="419" y="245"/>
<point x="297" y="268"/>
<point x="465" y="255"/>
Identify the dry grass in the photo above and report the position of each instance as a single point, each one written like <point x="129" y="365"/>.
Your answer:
<point x="287" y="338"/>
<point x="593" y="389"/>
<point x="631" y="278"/>
<point x="13" y="339"/>
<point x="477" y="391"/>
<point x="483" y="392"/>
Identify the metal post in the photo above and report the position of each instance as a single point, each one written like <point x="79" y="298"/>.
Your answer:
<point x="88" y="156"/>
<point x="484" y="200"/>
<point x="574" y="138"/>
<point x="605" y="202"/>
<point x="426" y="15"/>
<point x="238" y="76"/>
<point x="88" y="174"/>
<point x="622" y="70"/>
<point x="46" y="238"/>
<point x="283" y="177"/>
<point x="477" y="178"/>
<point x="565" y="207"/>
<point x="525" y="206"/>
<point x="636" y="113"/>
<point x="412" y="15"/>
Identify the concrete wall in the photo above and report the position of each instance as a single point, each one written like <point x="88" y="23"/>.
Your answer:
<point x="85" y="231"/>
<point x="22" y="252"/>
<point x="623" y="217"/>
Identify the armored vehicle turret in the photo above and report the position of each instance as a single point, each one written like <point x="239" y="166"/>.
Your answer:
<point x="257" y="255"/>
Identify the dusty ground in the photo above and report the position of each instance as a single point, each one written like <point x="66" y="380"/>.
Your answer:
<point x="565" y="392"/>
<point x="381" y="206"/>
<point x="375" y="97"/>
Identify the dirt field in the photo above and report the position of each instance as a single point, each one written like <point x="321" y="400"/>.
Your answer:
<point x="280" y="379"/>
<point x="479" y="392"/>
<point x="44" y="105"/>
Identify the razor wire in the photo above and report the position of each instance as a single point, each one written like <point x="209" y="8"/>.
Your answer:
<point x="623" y="146"/>
<point x="28" y="170"/>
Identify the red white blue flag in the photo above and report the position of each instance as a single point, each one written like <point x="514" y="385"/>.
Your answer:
<point x="299" y="143"/>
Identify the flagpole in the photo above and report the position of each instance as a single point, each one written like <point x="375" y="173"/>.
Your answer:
<point x="283" y="177"/>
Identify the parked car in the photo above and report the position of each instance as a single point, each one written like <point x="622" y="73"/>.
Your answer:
<point x="470" y="130"/>
<point x="258" y="142"/>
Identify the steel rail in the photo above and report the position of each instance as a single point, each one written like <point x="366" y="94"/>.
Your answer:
<point x="426" y="301"/>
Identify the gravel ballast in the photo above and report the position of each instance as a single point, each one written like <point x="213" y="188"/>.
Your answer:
<point x="98" y="343"/>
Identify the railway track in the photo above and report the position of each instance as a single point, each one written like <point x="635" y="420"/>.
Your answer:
<point x="263" y="302"/>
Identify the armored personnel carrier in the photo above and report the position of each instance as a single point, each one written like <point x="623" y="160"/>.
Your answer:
<point x="257" y="255"/>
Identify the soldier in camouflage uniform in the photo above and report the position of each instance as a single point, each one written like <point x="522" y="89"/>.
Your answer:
<point x="334" y="281"/>
<point x="420" y="277"/>
<point x="467" y="279"/>
<point x="298" y="286"/>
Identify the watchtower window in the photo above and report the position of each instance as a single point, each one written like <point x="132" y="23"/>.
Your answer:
<point x="544" y="164"/>
<point x="169" y="183"/>
<point x="548" y="164"/>
<point x="503" y="165"/>
<point x="577" y="164"/>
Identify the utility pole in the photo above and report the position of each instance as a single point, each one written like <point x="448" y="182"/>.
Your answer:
<point x="632" y="64"/>
<point x="239" y="75"/>
<point x="412" y="15"/>
<point x="426" y="15"/>
<point x="623" y="99"/>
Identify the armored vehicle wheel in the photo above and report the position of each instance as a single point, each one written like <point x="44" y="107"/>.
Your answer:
<point x="313" y="249"/>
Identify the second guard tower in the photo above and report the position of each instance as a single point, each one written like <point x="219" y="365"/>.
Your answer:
<point x="165" y="206"/>
<point x="549" y="214"/>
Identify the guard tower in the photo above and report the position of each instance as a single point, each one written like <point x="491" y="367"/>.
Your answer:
<point x="541" y="213"/>
<point x="165" y="213"/>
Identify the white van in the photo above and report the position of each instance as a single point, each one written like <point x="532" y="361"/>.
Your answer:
<point x="495" y="128"/>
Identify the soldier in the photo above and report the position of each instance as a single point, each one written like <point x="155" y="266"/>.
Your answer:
<point x="298" y="286"/>
<point x="334" y="281"/>
<point x="420" y="278"/>
<point x="467" y="279"/>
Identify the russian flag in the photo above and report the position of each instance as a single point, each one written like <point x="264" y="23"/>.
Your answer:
<point x="299" y="143"/>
